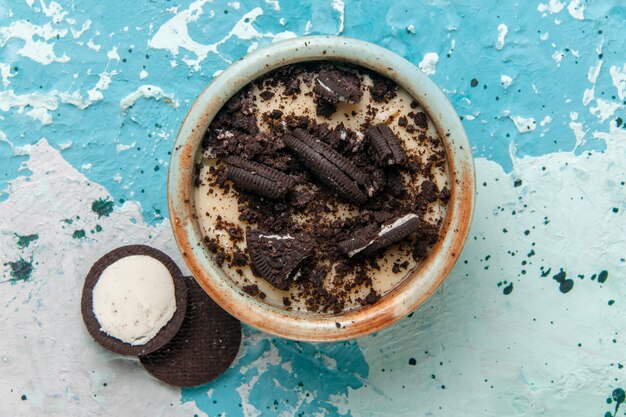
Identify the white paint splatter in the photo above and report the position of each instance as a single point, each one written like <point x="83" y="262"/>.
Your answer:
<point x="558" y="57"/>
<point x="36" y="46"/>
<point x="605" y="109"/>
<point x="243" y="28"/>
<point x="502" y="32"/>
<point x="41" y="115"/>
<point x="143" y="74"/>
<point x="577" y="129"/>
<point x="173" y="35"/>
<point x="113" y="55"/>
<point x="93" y="46"/>
<point x="120" y="147"/>
<point x="553" y="6"/>
<point x="77" y="33"/>
<point x="410" y="29"/>
<point x="506" y="81"/>
<point x="428" y="65"/>
<point x="283" y="35"/>
<point x="524" y="124"/>
<point x="95" y="94"/>
<point x="545" y="121"/>
<point x="576" y="9"/>
<point x="39" y="104"/>
<point x="618" y="76"/>
<point x="5" y="73"/>
<point x="592" y="76"/>
<point x="339" y="7"/>
<point x="150" y="92"/>
<point x="53" y="10"/>
<point x="235" y="5"/>
<point x="544" y="36"/>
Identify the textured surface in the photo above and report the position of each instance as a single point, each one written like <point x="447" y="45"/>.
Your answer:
<point x="530" y="322"/>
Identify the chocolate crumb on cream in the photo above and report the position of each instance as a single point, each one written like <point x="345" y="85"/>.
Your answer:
<point x="338" y="178"/>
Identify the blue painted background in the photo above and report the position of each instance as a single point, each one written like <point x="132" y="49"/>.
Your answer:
<point x="462" y="33"/>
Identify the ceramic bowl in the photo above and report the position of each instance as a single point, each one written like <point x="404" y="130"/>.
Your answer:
<point x="410" y="293"/>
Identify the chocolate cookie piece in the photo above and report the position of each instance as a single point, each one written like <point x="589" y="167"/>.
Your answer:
<point x="334" y="85"/>
<point x="382" y="89"/>
<point x="277" y="258"/>
<point x="205" y="346"/>
<point x="386" y="145"/>
<point x="165" y="334"/>
<point x="324" y="108"/>
<point x="257" y="178"/>
<point x="329" y="166"/>
<point x="360" y="239"/>
<point x="371" y="239"/>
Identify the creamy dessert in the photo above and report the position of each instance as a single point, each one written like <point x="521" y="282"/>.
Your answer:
<point x="134" y="299"/>
<point x="320" y="187"/>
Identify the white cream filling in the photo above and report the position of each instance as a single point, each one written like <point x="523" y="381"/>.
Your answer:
<point x="399" y="222"/>
<point x="325" y="87"/>
<point x="384" y="230"/>
<point x="276" y="237"/>
<point x="134" y="298"/>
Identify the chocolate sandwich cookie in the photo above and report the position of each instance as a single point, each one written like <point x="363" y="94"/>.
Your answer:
<point x="329" y="166"/>
<point x="134" y="300"/>
<point x="204" y="347"/>
<point x="257" y="178"/>
<point x="335" y="85"/>
<point x="277" y="258"/>
<point x="386" y="145"/>
<point x="371" y="238"/>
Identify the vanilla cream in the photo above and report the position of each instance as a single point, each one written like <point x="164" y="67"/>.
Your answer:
<point x="134" y="298"/>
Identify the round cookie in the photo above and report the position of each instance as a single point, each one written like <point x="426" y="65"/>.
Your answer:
<point x="205" y="346"/>
<point x="163" y="335"/>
